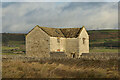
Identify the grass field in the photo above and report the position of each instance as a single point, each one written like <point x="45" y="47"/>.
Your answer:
<point x="9" y="48"/>
<point x="9" y="54"/>
<point x="92" y="50"/>
<point x="12" y="50"/>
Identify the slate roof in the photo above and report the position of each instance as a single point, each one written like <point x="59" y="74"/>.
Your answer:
<point x="62" y="32"/>
<point x="53" y="32"/>
<point x="71" y="32"/>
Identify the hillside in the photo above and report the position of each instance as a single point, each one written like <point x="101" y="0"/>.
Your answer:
<point x="100" y="41"/>
<point x="98" y="38"/>
<point x="104" y="38"/>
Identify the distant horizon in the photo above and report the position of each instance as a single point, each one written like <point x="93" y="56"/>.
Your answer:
<point x="87" y="30"/>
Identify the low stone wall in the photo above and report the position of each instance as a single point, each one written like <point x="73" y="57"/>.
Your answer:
<point x="58" y="55"/>
<point x="99" y="55"/>
<point x="87" y="56"/>
<point x="72" y="46"/>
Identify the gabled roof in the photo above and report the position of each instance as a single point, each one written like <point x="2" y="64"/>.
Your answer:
<point x="53" y="32"/>
<point x="61" y="32"/>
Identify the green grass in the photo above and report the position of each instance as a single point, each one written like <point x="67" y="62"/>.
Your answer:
<point x="91" y="31"/>
<point x="103" y="40"/>
<point x="17" y="42"/>
<point x="9" y="48"/>
<point x="9" y="54"/>
<point x="104" y="50"/>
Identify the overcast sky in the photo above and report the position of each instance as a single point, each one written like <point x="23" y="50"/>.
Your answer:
<point x="21" y="17"/>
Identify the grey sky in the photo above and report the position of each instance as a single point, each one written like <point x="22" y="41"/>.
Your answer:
<point x="23" y="16"/>
<point x="60" y="0"/>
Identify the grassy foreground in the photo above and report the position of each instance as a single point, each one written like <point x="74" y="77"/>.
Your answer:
<point x="60" y="68"/>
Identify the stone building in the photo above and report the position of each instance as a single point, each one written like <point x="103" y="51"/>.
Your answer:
<point x="47" y="42"/>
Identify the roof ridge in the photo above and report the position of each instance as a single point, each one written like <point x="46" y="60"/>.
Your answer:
<point x="55" y="28"/>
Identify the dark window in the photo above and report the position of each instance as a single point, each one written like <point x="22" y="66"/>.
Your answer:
<point x="73" y="55"/>
<point x="58" y="40"/>
<point x="83" y="40"/>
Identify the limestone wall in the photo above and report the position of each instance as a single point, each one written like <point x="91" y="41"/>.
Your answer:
<point x="40" y="44"/>
<point x="83" y="42"/>
<point x="55" y="45"/>
<point x="72" y="46"/>
<point x="37" y="43"/>
<point x="63" y="44"/>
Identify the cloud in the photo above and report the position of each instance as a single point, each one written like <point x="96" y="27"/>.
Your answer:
<point x="0" y="18"/>
<point x="119" y="15"/>
<point x="22" y="17"/>
<point x="60" y="0"/>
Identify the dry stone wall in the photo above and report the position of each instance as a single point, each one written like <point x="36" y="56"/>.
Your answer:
<point x="58" y="55"/>
<point x="100" y="56"/>
<point x="63" y="44"/>
<point x="55" y="45"/>
<point x="83" y="42"/>
<point x="37" y="43"/>
<point x="72" y="47"/>
<point x="86" y="56"/>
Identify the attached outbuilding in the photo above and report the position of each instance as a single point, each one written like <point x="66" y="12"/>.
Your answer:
<point x="48" y="42"/>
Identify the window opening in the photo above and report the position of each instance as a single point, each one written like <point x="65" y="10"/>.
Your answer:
<point x="83" y="40"/>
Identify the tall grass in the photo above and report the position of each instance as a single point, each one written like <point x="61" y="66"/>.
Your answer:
<point x="60" y="68"/>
